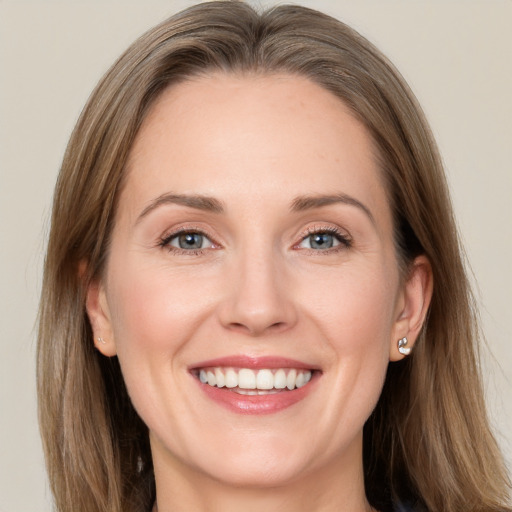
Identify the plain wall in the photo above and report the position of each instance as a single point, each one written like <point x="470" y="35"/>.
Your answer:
<point x="457" y="56"/>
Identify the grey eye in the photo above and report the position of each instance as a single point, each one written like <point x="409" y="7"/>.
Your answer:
<point x="320" y="241"/>
<point x="190" y="241"/>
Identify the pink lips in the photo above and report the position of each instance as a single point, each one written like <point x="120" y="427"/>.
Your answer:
<point x="270" y="362"/>
<point x="255" y="404"/>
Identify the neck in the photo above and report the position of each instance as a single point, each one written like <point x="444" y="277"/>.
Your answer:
<point x="271" y="500"/>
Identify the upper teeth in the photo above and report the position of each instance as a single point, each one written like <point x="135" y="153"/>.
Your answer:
<point x="245" y="378"/>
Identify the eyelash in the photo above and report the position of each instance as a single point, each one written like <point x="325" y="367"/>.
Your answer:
<point x="345" y="242"/>
<point x="165" y="241"/>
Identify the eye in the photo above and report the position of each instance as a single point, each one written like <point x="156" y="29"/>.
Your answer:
<point x="187" y="241"/>
<point x="323" y="240"/>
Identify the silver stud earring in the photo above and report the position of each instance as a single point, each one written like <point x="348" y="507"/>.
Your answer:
<point x="402" y="346"/>
<point x="101" y="340"/>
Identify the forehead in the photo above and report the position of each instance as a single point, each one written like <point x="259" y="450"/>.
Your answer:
<point x="279" y="135"/>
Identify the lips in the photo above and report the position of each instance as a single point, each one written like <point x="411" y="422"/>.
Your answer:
<point x="250" y="385"/>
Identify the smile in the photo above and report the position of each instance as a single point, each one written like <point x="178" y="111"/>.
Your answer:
<point x="246" y="381"/>
<point x="256" y="385"/>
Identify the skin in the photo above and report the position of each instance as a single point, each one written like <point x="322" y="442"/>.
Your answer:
<point x="256" y="288"/>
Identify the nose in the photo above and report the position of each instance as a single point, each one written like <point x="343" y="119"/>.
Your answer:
<point x="258" y="298"/>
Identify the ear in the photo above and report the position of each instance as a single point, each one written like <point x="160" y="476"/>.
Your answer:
<point x="412" y="306"/>
<point x="99" y="316"/>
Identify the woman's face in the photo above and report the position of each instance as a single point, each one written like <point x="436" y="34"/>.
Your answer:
<point x="252" y="253"/>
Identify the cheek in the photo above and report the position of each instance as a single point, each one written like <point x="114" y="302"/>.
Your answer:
<point x="153" y="315"/>
<point x="365" y="327"/>
<point x="154" y="307"/>
<point x="356" y="307"/>
<point x="155" y="312"/>
<point x="357" y="321"/>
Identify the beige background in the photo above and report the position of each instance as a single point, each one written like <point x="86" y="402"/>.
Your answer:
<point x="457" y="55"/>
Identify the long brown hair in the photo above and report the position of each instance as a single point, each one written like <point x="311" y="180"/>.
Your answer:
<point x="428" y="441"/>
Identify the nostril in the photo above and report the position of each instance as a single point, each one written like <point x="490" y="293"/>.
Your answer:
<point x="255" y="330"/>
<point x="277" y="326"/>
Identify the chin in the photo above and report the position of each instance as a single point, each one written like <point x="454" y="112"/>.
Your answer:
<point x="248" y="461"/>
<point x="272" y="471"/>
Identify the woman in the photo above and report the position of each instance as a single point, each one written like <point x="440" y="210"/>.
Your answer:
<point x="253" y="294"/>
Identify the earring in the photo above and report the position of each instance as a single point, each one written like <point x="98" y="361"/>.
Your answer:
<point x="402" y="346"/>
<point x="101" y="340"/>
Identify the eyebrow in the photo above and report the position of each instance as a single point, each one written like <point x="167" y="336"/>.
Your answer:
<point x="211" y="204"/>
<point x="303" y="203"/>
<point x="199" y="202"/>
